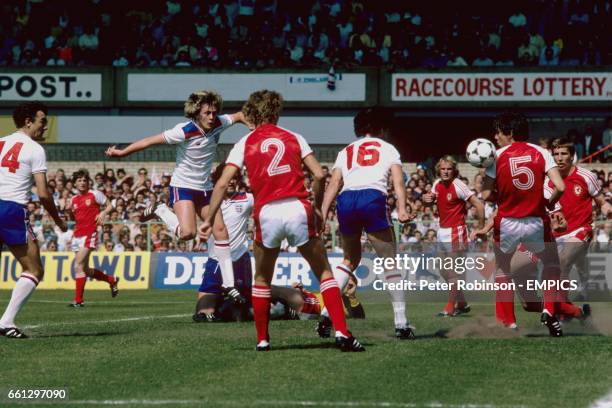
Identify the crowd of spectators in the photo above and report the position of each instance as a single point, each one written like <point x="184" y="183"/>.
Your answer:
<point x="131" y="194"/>
<point x="304" y="33"/>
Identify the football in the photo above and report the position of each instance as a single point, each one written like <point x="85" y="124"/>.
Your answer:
<point x="480" y="153"/>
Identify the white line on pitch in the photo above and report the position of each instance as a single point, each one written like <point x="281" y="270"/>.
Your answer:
<point x="126" y="319"/>
<point x="207" y="403"/>
<point x="111" y="302"/>
<point x="603" y="402"/>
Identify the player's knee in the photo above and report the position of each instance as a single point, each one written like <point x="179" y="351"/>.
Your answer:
<point x="352" y="262"/>
<point x="186" y="234"/>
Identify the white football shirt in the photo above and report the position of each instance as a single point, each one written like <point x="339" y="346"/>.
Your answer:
<point x="236" y="213"/>
<point x="195" y="152"/>
<point x="366" y="163"/>
<point x="20" y="157"/>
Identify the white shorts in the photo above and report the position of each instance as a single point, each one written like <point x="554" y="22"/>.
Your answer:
<point x="87" y="241"/>
<point x="453" y="238"/>
<point x="290" y="218"/>
<point x="533" y="232"/>
<point x="583" y="234"/>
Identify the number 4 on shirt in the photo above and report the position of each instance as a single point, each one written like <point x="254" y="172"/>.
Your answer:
<point x="11" y="159"/>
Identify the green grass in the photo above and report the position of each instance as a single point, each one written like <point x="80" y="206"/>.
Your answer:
<point x="98" y="357"/>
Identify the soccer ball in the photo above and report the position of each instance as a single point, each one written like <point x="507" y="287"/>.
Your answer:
<point x="480" y="153"/>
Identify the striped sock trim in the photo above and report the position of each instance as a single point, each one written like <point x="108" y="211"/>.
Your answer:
<point x="261" y="291"/>
<point x="328" y="284"/>
<point x="344" y="269"/>
<point x="30" y="277"/>
<point x="397" y="275"/>
<point x="222" y="244"/>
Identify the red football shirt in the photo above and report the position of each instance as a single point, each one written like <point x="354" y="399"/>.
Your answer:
<point x="577" y="201"/>
<point x="85" y="208"/>
<point x="450" y="199"/>
<point x="520" y="169"/>
<point x="273" y="158"/>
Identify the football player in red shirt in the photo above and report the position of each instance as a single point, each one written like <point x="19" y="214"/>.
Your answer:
<point x="582" y="187"/>
<point x="273" y="158"/>
<point x="89" y="208"/>
<point x="518" y="175"/>
<point x="451" y="196"/>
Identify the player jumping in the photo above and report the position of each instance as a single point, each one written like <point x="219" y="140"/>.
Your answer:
<point x="85" y="207"/>
<point x="22" y="160"/>
<point x="273" y="158"/>
<point x="190" y="186"/>
<point x="518" y="173"/>
<point x="362" y="170"/>
<point x="451" y="196"/>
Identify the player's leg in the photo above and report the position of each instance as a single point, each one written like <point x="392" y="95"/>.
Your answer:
<point x="351" y="248"/>
<point x="210" y="293"/>
<point x="539" y="236"/>
<point x="524" y="268"/>
<point x="384" y="245"/>
<point x="82" y="260"/>
<point x="222" y="248"/>
<point x="28" y="256"/>
<point x="185" y="211"/>
<point x="291" y="298"/>
<point x="572" y="251"/>
<point x="265" y="262"/>
<point x="507" y="236"/>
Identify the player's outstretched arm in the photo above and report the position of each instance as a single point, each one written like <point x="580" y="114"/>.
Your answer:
<point x="559" y="186"/>
<point x="229" y="172"/>
<point x="397" y="178"/>
<point x="136" y="146"/>
<point x="239" y="117"/>
<point x="335" y="183"/>
<point x="40" y="179"/>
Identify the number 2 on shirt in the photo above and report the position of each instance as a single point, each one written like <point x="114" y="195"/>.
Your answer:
<point x="367" y="154"/>
<point x="11" y="158"/>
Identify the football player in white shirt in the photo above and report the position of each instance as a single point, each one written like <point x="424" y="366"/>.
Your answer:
<point x="190" y="186"/>
<point x="236" y="208"/>
<point x="21" y="161"/>
<point x="364" y="167"/>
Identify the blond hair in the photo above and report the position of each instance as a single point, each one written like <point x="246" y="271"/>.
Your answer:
<point x="263" y="107"/>
<point x="196" y="100"/>
<point x="449" y="159"/>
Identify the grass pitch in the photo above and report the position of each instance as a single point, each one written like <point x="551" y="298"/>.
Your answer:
<point x="142" y="349"/>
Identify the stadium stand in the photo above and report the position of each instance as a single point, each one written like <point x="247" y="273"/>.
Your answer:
<point x="283" y="33"/>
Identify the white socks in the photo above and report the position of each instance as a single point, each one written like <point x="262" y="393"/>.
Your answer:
<point x="168" y="217"/>
<point x="224" y="257"/>
<point x="21" y="292"/>
<point x="398" y="299"/>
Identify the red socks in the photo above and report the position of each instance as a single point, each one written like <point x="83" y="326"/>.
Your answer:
<point x="80" y="288"/>
<point x="261" y="310"/>
<point x="101" y="276"/>
<point x="504" y="302"/>
<point x="333" y="302"/>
